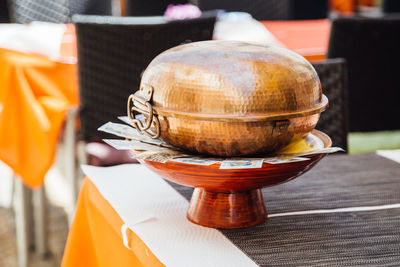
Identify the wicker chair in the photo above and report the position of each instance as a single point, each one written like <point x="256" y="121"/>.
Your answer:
<point x="57" y="11"/>
<point x="371" y="49"/>
<point x="334" y="121"/>
<point x="391" y="6"/>
<point x="150" y="7"/>
<point x="114" y="51"/>
<point x="309" y="9"/>
<point x="4" y="14"/>
<point x="259" y="9"/>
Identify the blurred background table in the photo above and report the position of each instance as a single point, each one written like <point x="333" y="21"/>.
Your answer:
<point x="309" y="38"/>
<point x="346" y="210"/>
<point x="37" y="92"/>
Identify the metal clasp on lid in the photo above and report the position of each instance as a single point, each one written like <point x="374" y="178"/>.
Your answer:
<point x="140" y="103"/>
<point x="280" y="127"/>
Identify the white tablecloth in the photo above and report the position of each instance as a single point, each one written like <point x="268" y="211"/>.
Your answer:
<point x="157" y="214"/>
<point x="41" y="38"/>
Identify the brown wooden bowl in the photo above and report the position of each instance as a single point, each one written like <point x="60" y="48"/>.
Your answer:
<point x="226" y="198"/>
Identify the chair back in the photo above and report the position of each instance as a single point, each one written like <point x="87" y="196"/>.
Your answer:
<point x="334" y="121"/>
<point x="259" y="9"/>
<point x="371" y="49"/>
<point x="4" y="13"/>
<point x="150" y="7"/>
<point x="57" y="11"/>
<point x="112" y="54"/>
<point x="309" y="9"/>
<point x="391" y="6"/>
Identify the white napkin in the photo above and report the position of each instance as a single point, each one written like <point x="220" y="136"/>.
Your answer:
<point x="390" y="154"/>
<point x="240" y="26"/>
<point x="157" y="214"/>
<point x="42" y="38"/>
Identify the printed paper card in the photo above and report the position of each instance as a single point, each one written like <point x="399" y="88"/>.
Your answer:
<point x="280" y="160"/>
<point x="241" y="164"/>
<point x="195" y="161"/>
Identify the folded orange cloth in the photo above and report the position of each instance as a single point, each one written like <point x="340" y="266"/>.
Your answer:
<point x="35" y="95"/>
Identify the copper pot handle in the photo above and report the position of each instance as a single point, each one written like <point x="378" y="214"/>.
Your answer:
<point x="140" y="104"/>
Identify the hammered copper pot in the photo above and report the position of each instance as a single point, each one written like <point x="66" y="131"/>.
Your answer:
<point x="228" y="98"/>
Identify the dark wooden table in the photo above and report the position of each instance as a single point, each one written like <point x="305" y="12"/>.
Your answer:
<point x="343" y="212"/>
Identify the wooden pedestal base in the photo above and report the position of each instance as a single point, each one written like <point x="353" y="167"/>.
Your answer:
<point x="227" y="210"/>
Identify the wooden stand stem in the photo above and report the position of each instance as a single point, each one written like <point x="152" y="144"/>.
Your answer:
<point x="233" y="209"/>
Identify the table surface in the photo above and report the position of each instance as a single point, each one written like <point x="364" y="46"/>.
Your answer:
<point x="344" y="211"/>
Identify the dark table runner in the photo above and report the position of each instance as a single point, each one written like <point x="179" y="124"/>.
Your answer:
<point x="364" y="238"/>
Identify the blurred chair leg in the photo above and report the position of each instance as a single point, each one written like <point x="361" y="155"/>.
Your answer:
<point x="70" y="159"/>
<point x="29" y="218"/>
<point x="120" y="7"/>
<point x="21" y="218"/>
<point x="82" y="160"/>
<point x="40" y="222"/>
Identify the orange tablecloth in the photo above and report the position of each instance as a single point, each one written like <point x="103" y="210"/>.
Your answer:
<point x="309" y="38"/>
<point x="35" y="94"/>
<point x="95" y="237"/>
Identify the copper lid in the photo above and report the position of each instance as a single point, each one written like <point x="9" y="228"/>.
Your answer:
<point x="233" y="81"/>
<point x="228" y="98"/>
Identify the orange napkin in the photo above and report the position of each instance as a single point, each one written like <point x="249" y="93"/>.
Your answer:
<point x="35" y="95"/>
